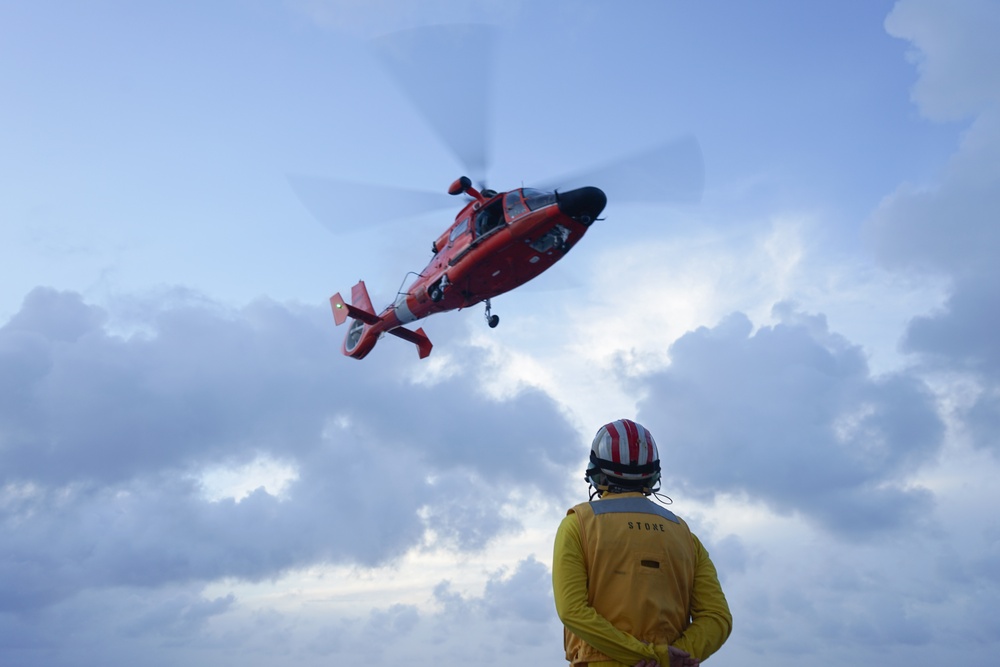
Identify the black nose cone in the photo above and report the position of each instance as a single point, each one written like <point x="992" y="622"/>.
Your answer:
<point x="582" y="204"/>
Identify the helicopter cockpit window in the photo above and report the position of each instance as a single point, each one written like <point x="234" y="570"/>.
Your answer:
<point x="536" y="199"/>
<point x="459" y="229"/>
<point x="489" y="219"/>
<point x="515" y="207"/>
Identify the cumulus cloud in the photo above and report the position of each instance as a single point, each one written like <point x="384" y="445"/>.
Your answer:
<point x="790" y="416"/>
<point x="103" y="439"/>
<point x="520" y="602"/>
<point x="963" y="334"/>
<point x="511" y="622"/>
<point x="955" y="50"/>
<point x="951" y="227"/>
<point x="948" y="227"/>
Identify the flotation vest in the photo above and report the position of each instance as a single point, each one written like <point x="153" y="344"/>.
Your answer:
<point x="640" y="560"/>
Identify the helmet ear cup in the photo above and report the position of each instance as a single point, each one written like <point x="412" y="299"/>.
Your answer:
<point x="595" y="477"/>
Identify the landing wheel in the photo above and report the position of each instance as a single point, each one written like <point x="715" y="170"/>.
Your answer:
<point x="435" y="293"/>
<point x="492" y="320"/>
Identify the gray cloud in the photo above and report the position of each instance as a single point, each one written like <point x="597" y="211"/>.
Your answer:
<point x="512" y="622"/>
<point x="791" y="416"/>
<point x="102" y="437"/>
<point x="114" y="626"/>
<point x="520" y="603"/>
<point x="962" y="335"/>
<point x="952" y="227"/>
<point x="955" y="50"/>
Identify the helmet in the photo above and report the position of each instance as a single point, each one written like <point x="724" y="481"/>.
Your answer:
<point x="623" y="456"/>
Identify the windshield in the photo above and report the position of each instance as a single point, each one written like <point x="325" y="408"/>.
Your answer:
<point x="536" y="199"/>
<point x="515" y="206"/>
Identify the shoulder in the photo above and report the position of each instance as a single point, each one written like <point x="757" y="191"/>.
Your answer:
<point x="574" y="515"/>
<point x="581" y="508"/>
<point x="569" y="535"/>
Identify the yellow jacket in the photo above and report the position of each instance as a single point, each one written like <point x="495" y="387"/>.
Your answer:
<point x="630" y="579"/>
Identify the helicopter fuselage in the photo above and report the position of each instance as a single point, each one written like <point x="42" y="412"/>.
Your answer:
<point x="496" y="244"/>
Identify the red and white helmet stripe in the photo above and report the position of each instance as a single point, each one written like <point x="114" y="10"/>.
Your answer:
<point x="626" y="450"/>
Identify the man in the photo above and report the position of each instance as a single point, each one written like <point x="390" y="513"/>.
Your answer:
<point x="632" y="584"/>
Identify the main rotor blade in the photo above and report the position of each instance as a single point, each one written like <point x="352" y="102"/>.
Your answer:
<point x="447" y="71"/>
<point x="669" y="172"/>
<point x="343" y="206"/>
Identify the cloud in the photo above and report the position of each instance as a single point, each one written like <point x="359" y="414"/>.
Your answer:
<point x="961" y="338"/>
<point x="790" y="416"/>
<point x="104" y="437"/>
<point x="956" y="52"/>
<point x="513" y="621"/>
<point x="518" y="601"/>
<point x="962" y="335"/>
<point x="180" y="614"/>
<point x="951" y="227"/>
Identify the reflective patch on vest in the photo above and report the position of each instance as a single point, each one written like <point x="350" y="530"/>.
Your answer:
<point x="635" y="505"/>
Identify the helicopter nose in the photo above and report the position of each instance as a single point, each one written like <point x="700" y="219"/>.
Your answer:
<point x="583" y="204"/>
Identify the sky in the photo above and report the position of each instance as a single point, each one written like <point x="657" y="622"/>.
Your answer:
<point x="191" y="472"/>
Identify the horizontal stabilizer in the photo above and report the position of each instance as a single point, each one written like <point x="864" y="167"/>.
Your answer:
<point x="418" y="338"/>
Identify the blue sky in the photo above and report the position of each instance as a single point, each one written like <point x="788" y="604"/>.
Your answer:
<point x="190" y="471"/>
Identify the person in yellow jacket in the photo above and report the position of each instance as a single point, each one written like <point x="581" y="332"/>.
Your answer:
<point x="632" y="583"/>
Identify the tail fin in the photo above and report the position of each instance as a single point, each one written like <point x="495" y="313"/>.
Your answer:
<point x="360" y="307"/>
<point x="366" y="328"/>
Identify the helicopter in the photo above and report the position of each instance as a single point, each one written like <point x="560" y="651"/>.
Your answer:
<point x="498" y="240"/>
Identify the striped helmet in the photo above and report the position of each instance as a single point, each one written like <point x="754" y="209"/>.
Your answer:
<point x="624" y="455"/>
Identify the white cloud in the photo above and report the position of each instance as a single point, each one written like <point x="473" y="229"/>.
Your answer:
<point x="951" y="227"/>
<point x="238" y="482"/>
<point x="791" y="416"/>
<point x="956" y="52"/>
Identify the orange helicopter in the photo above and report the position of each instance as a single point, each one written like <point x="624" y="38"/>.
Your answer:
<point x="498" y="241"/>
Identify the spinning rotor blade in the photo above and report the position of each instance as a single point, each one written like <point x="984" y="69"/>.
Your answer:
<point x="447" y="73"/>
<point x="670" y="172"/>
<point x="343" y="206"/>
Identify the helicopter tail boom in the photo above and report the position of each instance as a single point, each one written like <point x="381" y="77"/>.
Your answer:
<point x="364" y="333"/>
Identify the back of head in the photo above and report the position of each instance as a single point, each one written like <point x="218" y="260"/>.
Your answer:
<point x="623" y="457"/>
